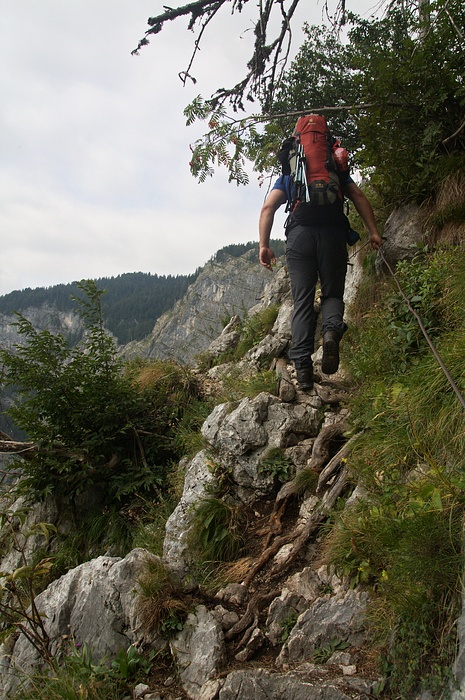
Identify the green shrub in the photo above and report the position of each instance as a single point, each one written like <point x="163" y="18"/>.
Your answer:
<point x="98" y="425"/>
<point x="217" y="530"/>
<point x="275" y="464"/>
<point x="388" y="339"/>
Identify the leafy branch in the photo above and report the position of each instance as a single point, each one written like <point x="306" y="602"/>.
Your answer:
<point x="229" y="142"/>
<point x="19" y="588"/>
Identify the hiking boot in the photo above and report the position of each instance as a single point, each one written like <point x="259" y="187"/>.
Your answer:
<point x="304" y="374"/>
<point x="330" y="362"/>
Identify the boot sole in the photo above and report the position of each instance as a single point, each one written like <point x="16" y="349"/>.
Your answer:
<point x="330" y="362"/>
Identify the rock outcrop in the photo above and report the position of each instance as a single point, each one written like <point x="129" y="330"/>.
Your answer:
<point x="220" y="292"/>
<point x="94" y="604"/>
<point x="402" y="233"/>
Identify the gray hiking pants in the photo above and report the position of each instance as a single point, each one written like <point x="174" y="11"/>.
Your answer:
<point x="312" y="251"/>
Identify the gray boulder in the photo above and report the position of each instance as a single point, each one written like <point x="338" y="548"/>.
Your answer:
<point x="263" y="685"/>
<point x="339" y="617"/>
<point x="94" y="604"/>
<point x="403" y="231"/>
<point x="198" y="650"/>
<point x="199" y="477"/>
<point x="227" y="340"/>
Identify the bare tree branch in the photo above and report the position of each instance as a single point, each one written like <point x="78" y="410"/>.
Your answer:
<point x="268" y="60"/>
<point x="456" y="133"/>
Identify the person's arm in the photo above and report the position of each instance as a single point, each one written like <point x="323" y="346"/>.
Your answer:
<point x="365" y="210"/>
<point x="272" y="203"/>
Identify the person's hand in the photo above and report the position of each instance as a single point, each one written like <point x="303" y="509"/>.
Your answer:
<point x="267" y="258"/>
<point x="376" y="241"/>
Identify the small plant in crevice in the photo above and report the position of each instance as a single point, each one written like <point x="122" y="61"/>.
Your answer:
<point x="161" y="604"/>
<point x="277" y="465"/>
<point x="288" y="624"/>
<point x="130" y="663"/>
<point x="323" y="653"/>
<point x="217" y="529"/>
<point x="306" y="480"/>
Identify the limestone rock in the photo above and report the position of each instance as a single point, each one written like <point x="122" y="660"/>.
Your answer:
<point x="210" y="689"/>
<point x="299" y="591"/>
<point x="403" y="232"/>
<point x="338" y="617"/>
<point x="198" y="477"/>
<point x="261" y="684"/>
<point x="241" y="430"/>
<point x="226" y="618"/>
<point x="94" y="604"/>
<point x="227" y="340"/>
<point x="199" y="650"/>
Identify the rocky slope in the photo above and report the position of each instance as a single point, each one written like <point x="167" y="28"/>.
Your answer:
<point x="284" y="625"/>
<point x="256" y="637"/>
<point x="221" y="290"/>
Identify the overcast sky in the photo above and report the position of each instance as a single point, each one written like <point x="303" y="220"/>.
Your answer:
<point x="94" y="176"/>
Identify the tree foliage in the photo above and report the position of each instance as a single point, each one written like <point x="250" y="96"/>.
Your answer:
<point x="412" y="74"/>
<point x="94" y="424"/>
<point x="392" y="88"/>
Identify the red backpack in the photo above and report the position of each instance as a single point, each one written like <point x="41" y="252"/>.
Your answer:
<point x="314" y="160"/>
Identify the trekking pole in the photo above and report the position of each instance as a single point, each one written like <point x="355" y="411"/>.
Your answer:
<point x="302" y="170"/>
<point x="425" y="333"/>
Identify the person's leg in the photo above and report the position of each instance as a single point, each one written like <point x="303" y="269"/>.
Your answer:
<point x="302" y="267"/>
<point x="332" y="261"/>
<point x="332" y="265"/>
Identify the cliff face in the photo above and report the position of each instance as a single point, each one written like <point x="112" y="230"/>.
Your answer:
<point x="45" y="317"/>
<point x="219" y="292"/>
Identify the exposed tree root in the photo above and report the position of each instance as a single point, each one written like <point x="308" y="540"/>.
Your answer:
<point x="247" y="621"/>
<point x="320" y="514"/>
<point x="320" y="456"/>
<point x="334" y="464"/>
<point x="274" y="526"/>
<point x="300" y="535"/>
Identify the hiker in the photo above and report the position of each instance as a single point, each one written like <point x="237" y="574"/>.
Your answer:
<point x="316" y="244"/>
